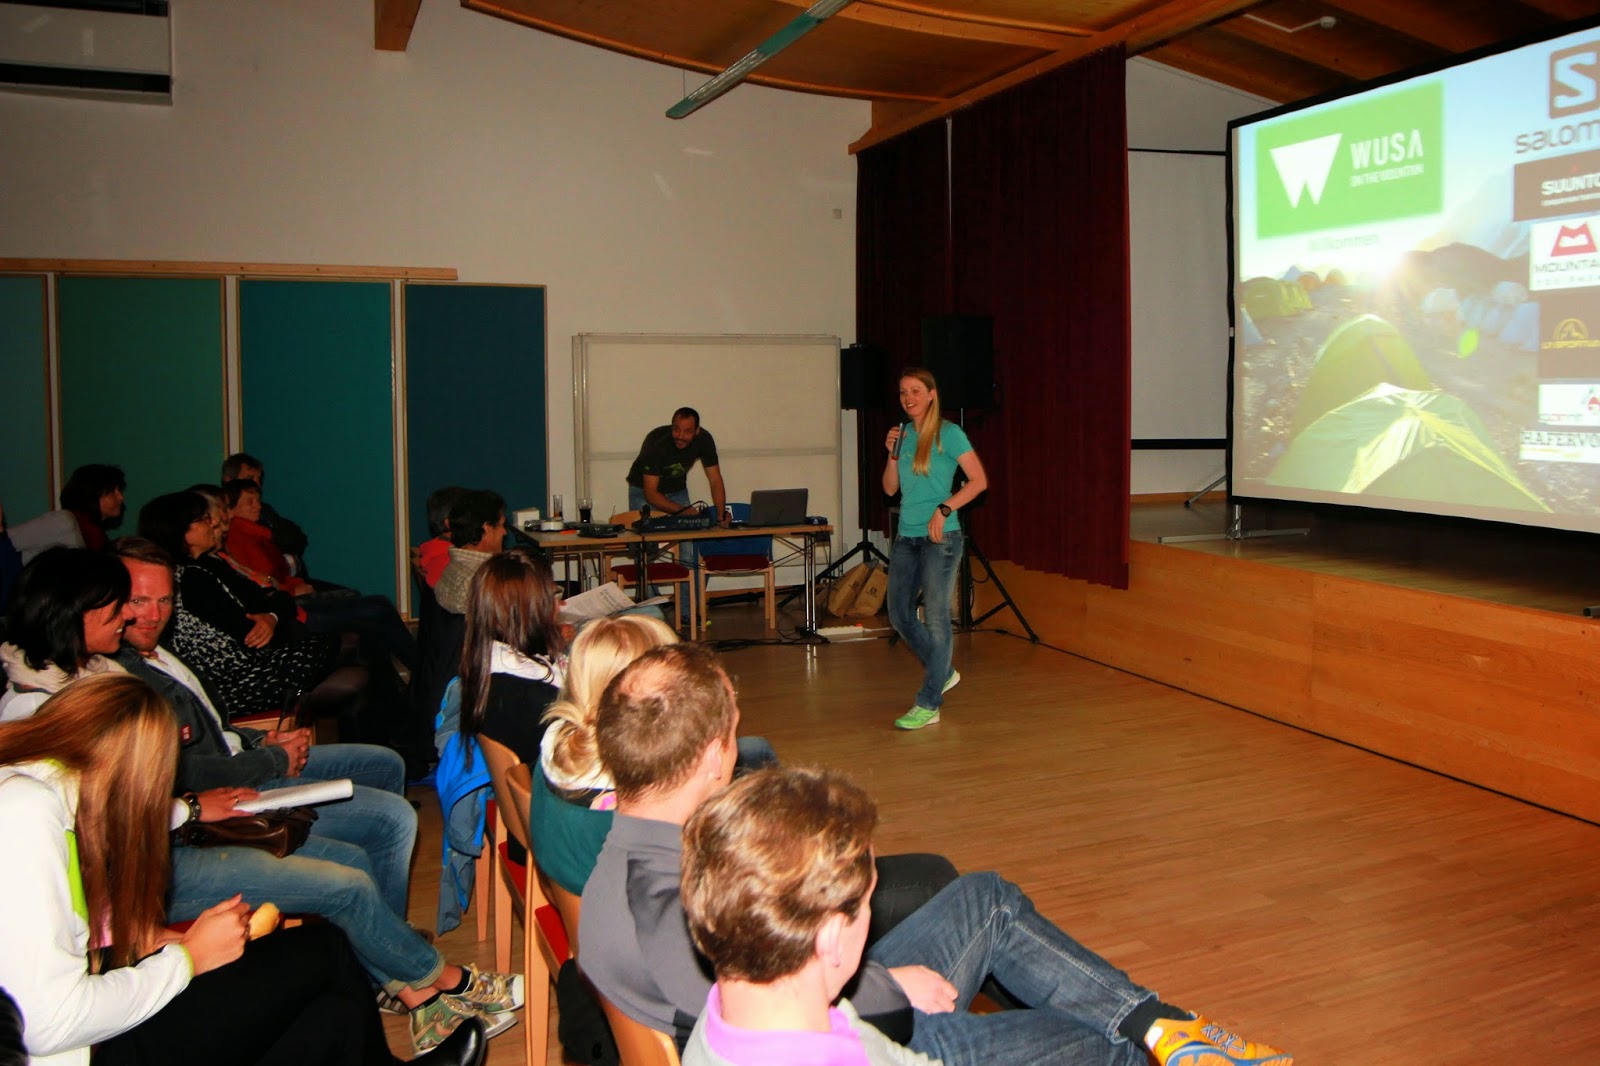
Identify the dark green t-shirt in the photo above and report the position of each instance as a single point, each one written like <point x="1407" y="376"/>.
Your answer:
<point x="660" y="456"/>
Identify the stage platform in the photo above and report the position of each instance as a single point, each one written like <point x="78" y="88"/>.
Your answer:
<point x="1459" y="649"/>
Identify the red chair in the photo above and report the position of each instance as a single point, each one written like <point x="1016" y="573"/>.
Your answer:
<point x="661" y="572"/>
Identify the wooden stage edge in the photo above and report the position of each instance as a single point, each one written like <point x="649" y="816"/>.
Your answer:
<point x="1496" y="695"/>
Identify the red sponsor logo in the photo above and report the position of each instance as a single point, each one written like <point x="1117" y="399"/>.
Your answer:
<point x="1573" y="240"/>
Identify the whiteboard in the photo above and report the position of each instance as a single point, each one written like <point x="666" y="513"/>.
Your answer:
<point x="1178" y="272"/>
<point x="772" y="403"/>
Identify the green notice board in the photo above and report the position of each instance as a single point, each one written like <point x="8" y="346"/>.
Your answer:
<point x="25" y="425"/>
<point x="315" y="383"/>
<point x="142" y="381"/>
<point x="475" y="394"/>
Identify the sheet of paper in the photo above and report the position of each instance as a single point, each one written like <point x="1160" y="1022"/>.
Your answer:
<point x="306" y="795"/>
<point x="600" y="601"/>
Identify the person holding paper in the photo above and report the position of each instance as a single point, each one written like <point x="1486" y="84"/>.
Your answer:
<point x="84" y="786"/>
<point x="354" y="868"/>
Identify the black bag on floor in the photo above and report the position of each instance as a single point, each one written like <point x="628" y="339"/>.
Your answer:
<point x="581" y="1025"/>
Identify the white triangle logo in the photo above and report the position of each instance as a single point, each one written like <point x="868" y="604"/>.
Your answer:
<point x="1304" y="167"/>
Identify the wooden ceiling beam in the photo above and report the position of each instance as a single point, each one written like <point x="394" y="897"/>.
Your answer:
<point x="1340" y="52"/>
<point x="1142" y="33"/>
<point x="970" y="26"/>
<point x="522" y="18"/>
<point x="392" y="21"/>
<point x="1280" y="82"/>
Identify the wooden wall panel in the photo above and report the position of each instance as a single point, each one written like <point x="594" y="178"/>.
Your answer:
<point x="1503" y="697"/>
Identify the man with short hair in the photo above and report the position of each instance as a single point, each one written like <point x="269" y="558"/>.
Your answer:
<point x="354" y="868"/>
<point x="665" y="732"/>
<point x="289" y="537"/>
<point x="659" y="474"/>
<point x="777" y="886"/>
<point x="477" y="532"/>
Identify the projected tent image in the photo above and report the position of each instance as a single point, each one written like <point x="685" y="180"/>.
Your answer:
<point x="1416" y="287"/>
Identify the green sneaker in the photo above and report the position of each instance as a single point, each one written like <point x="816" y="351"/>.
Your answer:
<point x="952" y="682"/>
<point x="434" y="1021"/>
<point x="495" y="993"/>
<point x="917" y="717"/>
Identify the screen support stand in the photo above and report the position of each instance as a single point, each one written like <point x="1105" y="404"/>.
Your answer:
<point x="1235" y="530"/>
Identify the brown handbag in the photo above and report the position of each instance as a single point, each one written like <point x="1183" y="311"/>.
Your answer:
<point x="280" y="832"/>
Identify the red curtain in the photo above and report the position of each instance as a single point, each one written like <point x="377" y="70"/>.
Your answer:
<point x="1037" y="238"/>
<point x="902" y="273"/>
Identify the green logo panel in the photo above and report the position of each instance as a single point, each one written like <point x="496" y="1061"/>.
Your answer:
<point x="1353" y="165"/>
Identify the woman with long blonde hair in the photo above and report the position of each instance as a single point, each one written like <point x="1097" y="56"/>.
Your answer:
<point x="572" y="793"/>
<point x="924" y="456"/>
<point x="85" y="808"/>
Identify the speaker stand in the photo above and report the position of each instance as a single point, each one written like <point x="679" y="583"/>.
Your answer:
<point x="865" y="547"/>
<point x="966" y="621"/>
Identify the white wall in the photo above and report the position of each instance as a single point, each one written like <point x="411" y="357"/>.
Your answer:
<point x="1172" y="110"/>
<point x="510" y="154"/>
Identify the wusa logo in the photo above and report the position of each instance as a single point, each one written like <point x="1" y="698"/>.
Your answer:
<point x="1353" y="165"/>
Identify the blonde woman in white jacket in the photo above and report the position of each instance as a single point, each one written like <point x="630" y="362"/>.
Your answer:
<point x="85" y="801"/>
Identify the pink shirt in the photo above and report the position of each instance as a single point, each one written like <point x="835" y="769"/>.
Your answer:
<point x="782" y="1047"/>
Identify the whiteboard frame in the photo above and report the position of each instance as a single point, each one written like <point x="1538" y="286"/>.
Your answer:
<point x="816" y="410"/>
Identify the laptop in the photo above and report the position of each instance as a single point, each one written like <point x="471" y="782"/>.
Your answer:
<point x="777" y="507"/>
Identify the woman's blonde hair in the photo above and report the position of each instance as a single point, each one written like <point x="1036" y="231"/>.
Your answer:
<point x="600" y="652"/>
<point x="121" y="739"/>
<point x="929" y="424"/>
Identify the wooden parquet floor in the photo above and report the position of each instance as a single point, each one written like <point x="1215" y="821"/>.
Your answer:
<point x="1351" y="909"/>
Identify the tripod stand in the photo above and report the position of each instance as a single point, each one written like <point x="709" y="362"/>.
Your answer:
<point x="965" y="619"/>
<point x="863" y="471"/>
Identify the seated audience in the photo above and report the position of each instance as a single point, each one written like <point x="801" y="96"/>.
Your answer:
<point x="777" y="888"/>
<point x="249" y="542"/>
<point x="94" y="495"/>
<point x="245" y="639"/>
<point x="66" y="621"/>
<point x="666" y="731"/>
<point x="509" y="668"/>
<point x="477" y="531"/>
<point x="372" y="618"/>
<point x="354" y="868"/>
<point x="288" y="536"/>
<point x="84" y="794"/>
<point x="433" y="554"/>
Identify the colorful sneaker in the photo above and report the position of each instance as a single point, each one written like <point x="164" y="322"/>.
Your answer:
<point x="1199" y="1042"/>
<point x="917" y="717"/>
<point x="955" y="679"/>
<point x="435" y="1020"/>
<point x="494" y="993"/>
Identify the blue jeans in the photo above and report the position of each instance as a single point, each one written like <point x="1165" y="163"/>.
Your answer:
<point x="354" y="869"/>
<point x="981" y="925"/>
<point x="918" y="565"/>
<point x="378" y="818"/>
<point x="636" y="497"/>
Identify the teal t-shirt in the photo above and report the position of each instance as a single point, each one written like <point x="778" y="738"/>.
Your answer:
<point x="920" y="495"/>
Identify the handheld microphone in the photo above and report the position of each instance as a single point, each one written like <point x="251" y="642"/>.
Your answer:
<point x="894" y="453"/>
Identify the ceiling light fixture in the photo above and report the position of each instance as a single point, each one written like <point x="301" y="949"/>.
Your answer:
<point x="1326" y="22"/>
<point x="802" y="25"/>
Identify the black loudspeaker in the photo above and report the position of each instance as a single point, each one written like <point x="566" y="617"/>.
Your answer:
<point x="959" y="350"/>
<point x="862" y="369"/>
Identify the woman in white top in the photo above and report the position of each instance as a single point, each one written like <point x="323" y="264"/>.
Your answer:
<point x="85" y="802"/>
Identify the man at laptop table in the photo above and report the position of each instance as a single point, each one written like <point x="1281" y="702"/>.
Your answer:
<point x="660" y="472"/>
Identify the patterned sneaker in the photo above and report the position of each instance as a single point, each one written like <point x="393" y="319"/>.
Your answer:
<point x="917" y="717"/>
<point x="494" y="993"/>
<point x="1199" y="1042"/>
<point x="955" y="679"/>
<point x="435" y="1020"/>
<point x="390" y="1004"/>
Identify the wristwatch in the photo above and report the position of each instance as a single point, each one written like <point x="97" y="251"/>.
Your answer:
<point x="191" y="801"/>
<point x="944" y="509"/>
